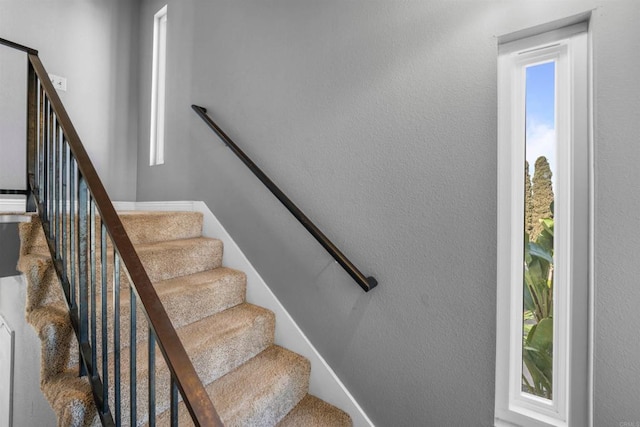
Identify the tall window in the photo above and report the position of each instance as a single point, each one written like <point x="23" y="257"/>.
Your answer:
<point x="542" y="358"/>
<point x="156" y="152"/>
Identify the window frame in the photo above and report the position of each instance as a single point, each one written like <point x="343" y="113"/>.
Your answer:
<point x="568" y="46"/>
<point x="158" y="88"/>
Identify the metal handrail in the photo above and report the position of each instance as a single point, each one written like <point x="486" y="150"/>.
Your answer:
<point x="193" y="392"/>
<point x="17" y="46"/>
<point x="366" y="283"/>
<point x="59" y="171"/>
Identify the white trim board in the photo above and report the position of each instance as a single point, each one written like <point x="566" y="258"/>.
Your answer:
<point x="7" y="348"/>
<point x="12" y="209"/>
<point x="12" y="204"/>
<point x="323" y="382"/>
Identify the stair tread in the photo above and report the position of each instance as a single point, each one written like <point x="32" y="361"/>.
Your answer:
<point x="174" y="244"/>
<point x="315" y="412"/>
<point x="141" y="226"/>
<point x="186" y="299"/>
<point x="175" y="258"/>
<point x="212" y="330"/>
<point x="154" y="226"/>
<point x="258" y="393"/>
<point x="201" y="294"/>
<point x="251" y="381"/>
<point x="162" y="260"/>
<point x="216" y="345"/>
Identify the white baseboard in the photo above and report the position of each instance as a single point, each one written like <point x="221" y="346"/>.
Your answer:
<point x="12" y="209"/>
<point x="12" y="204"/>
<point x="323" y="382"/>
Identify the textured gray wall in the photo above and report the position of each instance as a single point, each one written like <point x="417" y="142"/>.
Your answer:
<point x="90" y="43"/>
<point x="379" y="119"/>
<point x="9" y="249"/>
<point x="617" y="291"/>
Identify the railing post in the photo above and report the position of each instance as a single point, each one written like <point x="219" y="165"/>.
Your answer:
<point x="83" y="272"/>
<point x="32" y="117"/>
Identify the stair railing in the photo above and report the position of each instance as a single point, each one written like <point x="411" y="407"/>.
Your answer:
<point x="86" y="239"/>
<point x="366" y="283"/>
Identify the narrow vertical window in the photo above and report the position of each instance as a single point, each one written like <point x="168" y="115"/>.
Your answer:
<point x="538" y="284"/>
<point x="156" y="152"/>
<point x="543" y="233"/>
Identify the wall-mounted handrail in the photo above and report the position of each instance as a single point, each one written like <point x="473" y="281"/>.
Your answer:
<point x="366" y="283"/>
<point x="71" y="200"/>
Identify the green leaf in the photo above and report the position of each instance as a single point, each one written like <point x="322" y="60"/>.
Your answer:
<point x="542" y="379"/>
<point x="545" y="241"/>
<point x="541" y="335"/>
<point x="538" y="251"/>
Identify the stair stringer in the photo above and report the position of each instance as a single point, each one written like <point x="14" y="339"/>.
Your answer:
<point x="324" y="383"/>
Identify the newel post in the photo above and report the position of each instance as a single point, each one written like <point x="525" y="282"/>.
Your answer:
<point x="32" y="118"/>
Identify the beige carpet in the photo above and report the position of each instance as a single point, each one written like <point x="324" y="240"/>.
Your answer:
<point x="251" y="381"/>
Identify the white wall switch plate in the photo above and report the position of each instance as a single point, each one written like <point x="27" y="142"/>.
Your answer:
<point x="60" y="83"/>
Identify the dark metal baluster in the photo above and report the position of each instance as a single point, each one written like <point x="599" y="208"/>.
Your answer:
<point x="152" y="378"/>
<point x="132" y="356"/>
<point x="38" y="151"/>
<point x="45" y="142"/>
<point x="73" y="260"/>
<point x="50" y="176"/>
<point x="60" y="199"/>
<point x="92" y="261"/>
<point x="116" y="334"/>
<point x="56" y="187"/>
<point x="41" y="151"/>
<point x="105" y="320"/>
<point x="65" y="201"/>
<point x="45" y="163"/>
<point x="61" y="203"/>
<point x="174" y="403"/>
<point x="32" y="156"/>
<point x="83" y="252"/>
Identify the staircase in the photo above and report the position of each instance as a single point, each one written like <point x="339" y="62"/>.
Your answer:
<point x="251" y="381"/>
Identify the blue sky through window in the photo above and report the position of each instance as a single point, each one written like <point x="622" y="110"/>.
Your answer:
<point x="540" y="114"/>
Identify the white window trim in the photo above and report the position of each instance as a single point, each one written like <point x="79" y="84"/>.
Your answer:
<point x="569" y="47"/>
<point x="158" y="80"/>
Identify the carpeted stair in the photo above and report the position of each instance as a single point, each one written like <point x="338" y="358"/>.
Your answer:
<point x="251" y="381"/>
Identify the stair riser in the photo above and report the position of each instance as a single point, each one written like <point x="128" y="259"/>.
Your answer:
<point x="180" y="259"/>
<point x="212" y="359"/>
<point x="43" y="287"/>
<point x="152" y="227"/>
<point x="230" y="343"/>
<point x="54" y="329"/>
<point x="199" y="255"/>
<point x="142" y="229"/>
<point x="280" y="379"/>
<point x="200" y="302"/>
